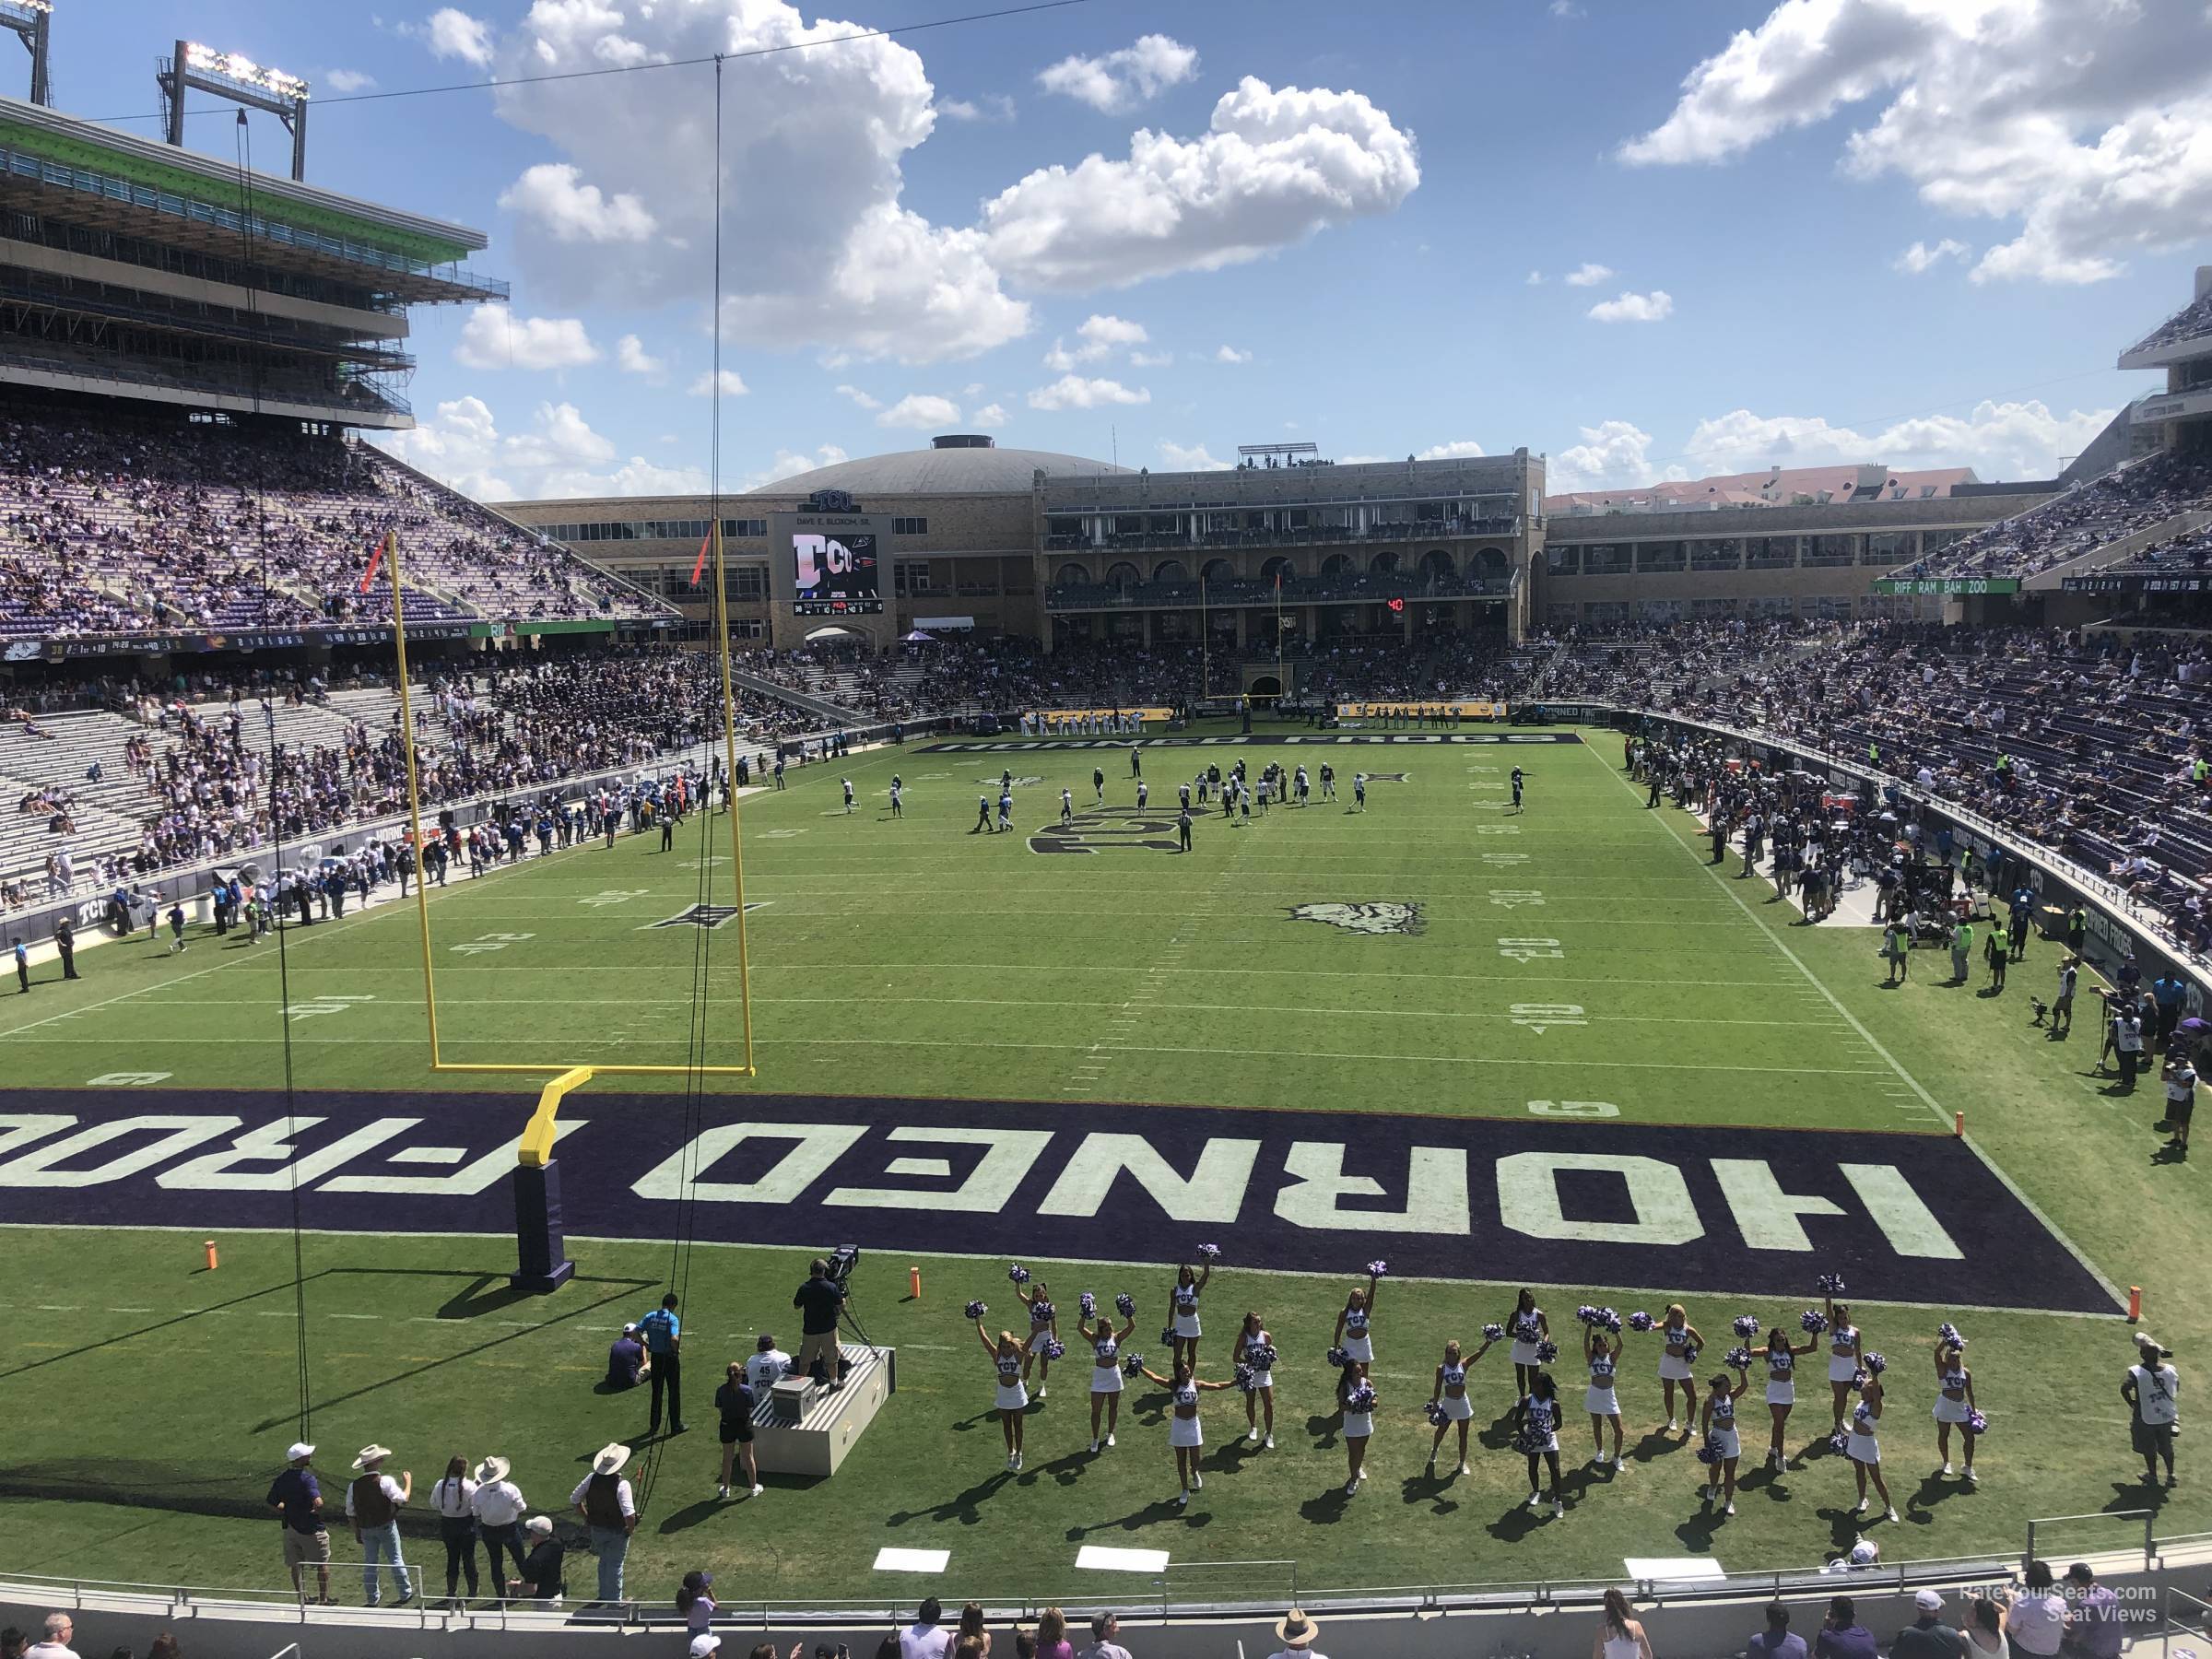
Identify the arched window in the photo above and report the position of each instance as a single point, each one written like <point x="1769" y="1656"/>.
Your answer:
<point x="1491" y="563"/>
<point x="1072" y="572"/>
<point x="1337" y="564"/>
<point x="1278" y="566"/>
<point x="1169" y="569"/>
<point x="1436" y="565"/>
<point x="1219" y="569"/>
<point x="1124" y="575"/>
<point x="1384" y="563"/>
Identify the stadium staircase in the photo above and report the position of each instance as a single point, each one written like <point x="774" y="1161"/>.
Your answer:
<point x="806" y="702"/>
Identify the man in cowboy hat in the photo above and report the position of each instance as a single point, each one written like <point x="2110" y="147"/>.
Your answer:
<point x="499" y="1504"/>
<point x="604" y="1502"/>
<point x="296" y="1497"/>
<point x="373" y="1504"/>
<point x="539" y="1577"/>
<point x="1296" y="1633"/>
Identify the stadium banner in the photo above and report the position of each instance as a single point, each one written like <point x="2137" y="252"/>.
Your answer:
<point x="1548" y="1199"/>
<point x="2138" y="581"/>
<point x="1947" y="584"/>
<point x="1255" y="740"/>
<point x="56" y="650"/>
<point x="825" y="560"/>
<point x="1456" y="708"/>
<point x="1094" y="720"/>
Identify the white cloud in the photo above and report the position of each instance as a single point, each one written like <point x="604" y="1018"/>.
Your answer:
<point x="1917" y="258"/>
<point x="2087" y="124"/>
<point x="1101" y="336"/>
<point x="988" y="419"/>
<point x="1535" y="279"/>
<point x="453" y="33"/>
<point x="1275" y="168"/>
<point x="995" y="106"/>
<point x="1565" y="8"/>
<point x="493" y="337"/>
<point x="1174" y="457"/>
<point x="1230" y="354"/>
<point x="731" y="384"/>
<point x="1151" y="359"/>
<point x="1459" y="450"/>
<point x="1589" y="273"/>
<point x="920" y="411"/>
<point x="631" y="358"/>
<point x="1073" y="391"/>
<point x="790" y="463"/>
<point x="860" y="397"/>
<point x="1122" y="81"/>
<point x="1634" y="308"/>
<point x="553" y="198"/>
<point x="1612" y="455"/>
<point x="347" y="80"/>
<point x="558" y="454"/>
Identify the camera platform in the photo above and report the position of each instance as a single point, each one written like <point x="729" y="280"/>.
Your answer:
<point x="808" y="1429"/>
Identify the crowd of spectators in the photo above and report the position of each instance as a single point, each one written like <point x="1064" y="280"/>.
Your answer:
<point x="2106" y="509"/>
<point x="2190" y="322"/>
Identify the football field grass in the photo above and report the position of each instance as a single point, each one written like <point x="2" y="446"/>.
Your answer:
<point x="912" y="959"/>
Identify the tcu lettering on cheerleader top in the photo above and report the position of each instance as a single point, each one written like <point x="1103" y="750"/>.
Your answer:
<point x="1456" y="1376"/>
<point x="1010" y="1369"/>
<point x="1780" y="1359"/>
<point x="1187" y="1395"/>
<point x="1186" y="1298"/>
<point x="1355" y="1322"/>
<point x="1106" y="1348"/>
<point x="1600" y="1370"/>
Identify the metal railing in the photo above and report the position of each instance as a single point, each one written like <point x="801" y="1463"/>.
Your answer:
<point x="2043" y="1526"/>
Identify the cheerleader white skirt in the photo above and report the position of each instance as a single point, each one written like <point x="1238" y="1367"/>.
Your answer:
<point x="1458" y="1408"/>
<point x="1105" y="1378"/>
<point x="1039" y="1337"/>
<point x="1359" y="1425"/>
<point x="1525" y="1353"/>
<point x="1863" y="1448"/>
<point x="1263" y="1379"/>
<point x="1841" y="1368"/>
<point x="1601" y="1402"/>
<point x="1725" y="1441"/>
<point x="1362" y="1349"/>
<point x="1184" y="1433"/>
<point x="1186" y="1325"/>
<point x="1949" y="1410"/>
<point x="1012" y="1397"/>
<point x="1674" y="1368"/>
<point x="1782" y="1393"/>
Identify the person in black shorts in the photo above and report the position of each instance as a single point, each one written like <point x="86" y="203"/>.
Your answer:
<point x="734" y="1399"/>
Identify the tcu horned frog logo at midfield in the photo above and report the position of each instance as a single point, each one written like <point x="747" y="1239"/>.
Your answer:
<point x="1373" y="918"/>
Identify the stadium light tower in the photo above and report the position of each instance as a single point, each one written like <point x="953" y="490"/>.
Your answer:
<point x="239" y="79"/>
<point x="29" y="19"/>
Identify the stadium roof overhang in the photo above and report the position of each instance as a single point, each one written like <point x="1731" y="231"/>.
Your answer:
<point x="2185" y="350"/>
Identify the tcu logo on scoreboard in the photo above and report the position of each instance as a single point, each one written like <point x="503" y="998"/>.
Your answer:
<point x="820" y="557"/>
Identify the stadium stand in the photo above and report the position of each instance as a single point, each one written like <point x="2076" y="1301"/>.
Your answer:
<point x="2192" y="321"/>
<point x="2128" y="500"/>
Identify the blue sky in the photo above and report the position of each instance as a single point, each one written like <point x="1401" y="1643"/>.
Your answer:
<point x="1831" y="230"/>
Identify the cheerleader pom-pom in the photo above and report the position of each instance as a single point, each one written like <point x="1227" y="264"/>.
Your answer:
<point x="1737" y="1358"/>
<point x="1166" y="1335"/>
<point x="1362" y="1398"/>
<point x="1019" y="1274"/>
<point x="1690" y="1353"/>
<point x="1875" y="1363"/>
<point x="976" y="1310"/>
<point x="1710" y="1453"/>
<point x="1586" y="1314"/>
<point x="1745" y="1325"/>
<point x="1338" y="1359"/>
<point x="1813" y="1321"/>
<point x="1054" y="1348"/>
<point x="1527" y="1440"/>
<point x="1547" y="1352"/>
<point x="1434" y="1412"/>
<point x="1860" y="1378"/>
<point x="1242" y="1378"/>
<point x="1609" y="1320"/>
<point x="1947" y="1335"/>
<point x="1041" y="1311"/>
<point x="1212" y="1252"/>
<point x="1829" y="1284"/>
<point x="1976" y="1423"/>
<point x="1260" y="1356"/>
<point x="1088" y="1303"/>
<point x="1839" y="1442"/>
<point x="1640" y="1321"/>
<point x="1493" y="1332"/>
<point x="1125" y="1305"/>
<point x="1132" y="1364"/>
<point x="1377" y="1269"/>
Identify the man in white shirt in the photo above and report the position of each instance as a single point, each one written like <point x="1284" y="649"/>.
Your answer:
<point x="1296" y="1633"/>
<point x="926" y="1638"/>
<point x="2152" y="1389"/>
<point x="1104" y="1628"/>
<point x="498" y="1506"/>
<point x="56" y="1645"/>
<point x="767" y="1367"/>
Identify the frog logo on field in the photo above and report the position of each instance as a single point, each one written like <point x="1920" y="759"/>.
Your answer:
<point x="1018" y="783"/>
<point x="1384" y="917"/>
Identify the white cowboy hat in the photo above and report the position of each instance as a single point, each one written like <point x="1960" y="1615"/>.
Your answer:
<point x="538" y="1527"/>
<point x="492" y="1469"/>
<point x="1294" y="1630"/>
<point x="299" y="1451"/>
<point x="609" y="1459"/>
<point x="372" y="1455"/>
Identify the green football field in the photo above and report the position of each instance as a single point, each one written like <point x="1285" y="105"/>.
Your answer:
<point x="916" y="961"/>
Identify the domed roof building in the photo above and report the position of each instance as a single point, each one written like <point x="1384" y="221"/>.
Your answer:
<point x="954" y="464"/>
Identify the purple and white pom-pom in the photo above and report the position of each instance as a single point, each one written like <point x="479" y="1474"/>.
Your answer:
<point x="1493" y="1332"/>
<point x="1434" y="1412"/>
<point x="1860" y="1378"/>
<point x="1976" y="1423"/>
<point x="1260" y="1356"/>
<point x="1019" y="1274"/>
<point x="976" y="1310"/>
<point x="1088" y="1303"/>
<point x="1212" y="1252"/>
<point x="1947" y="1335"/>
<point x="1640" y="1321"/>
<point x="1738" y="1358"/>
<point x="1609" y="1320"/>
<point x="1829" y="1284"/>
<point x="1813" y="1321"/>
<point x="1242" y="1377"/>
<point x="1839" y="1442"/>
<point x="1166" y="1335"/>
<point x="1377" y="1269"/>
<point x="1875" y="1363"/>
<point x="1690" y="1353"/>
<point x="1547" y="1351"/>
<point x="1125" y="1305"/>
<point x="1132" y="1364"/>
<point x="1053" y="1348"/>
<point x="1745" y="1325"/>
<point x="1338" y="1359"/>
<point x="1041" y="1312"/>
<point x="1710" y="1453"/>
<point x="1360" y="1397"/>
<point x="1587" y="1313"/>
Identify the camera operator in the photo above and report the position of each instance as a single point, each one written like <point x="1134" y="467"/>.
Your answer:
<point x="820" y="1300"/>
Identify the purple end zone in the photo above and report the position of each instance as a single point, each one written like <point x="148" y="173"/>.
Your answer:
<point x="1902" y="1217"/>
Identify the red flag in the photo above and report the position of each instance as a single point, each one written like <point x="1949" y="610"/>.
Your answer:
<point x="699" y="569"/>
<point x="376" y="560"/>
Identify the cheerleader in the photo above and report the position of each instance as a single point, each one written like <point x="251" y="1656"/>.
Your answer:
<point x="1013" y="1398"/>
<point x="1355" y="1400"/>
<point x="1105" y="1370"/>
<point x="1782" y="1386"/>
<point x="1354" y="1322"/>
<point x="1527" y="1327"/>
<point x="1843" y="1355"/>
<point x="1866" y="1450"/>
<point x="1189" y="1282"/>
<point x="1719" y="1426"/>
<point x="1045" y="1327"/>
<point x="1681" y="1352"/>
<point x="1449" y="1398"/>
<point x="1537" y="1434"/>
<point x="1954" y="1402"/>
<point x="1184" y="1435"/>
<point x="1254" y="1349"/>
<point x="1602" y="1350"/>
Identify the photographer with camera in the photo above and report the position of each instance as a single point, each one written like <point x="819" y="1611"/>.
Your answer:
<point x="821" y="1301"/>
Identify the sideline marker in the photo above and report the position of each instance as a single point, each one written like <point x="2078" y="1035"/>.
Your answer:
<point x="913" y="1284"/>
<point x="1958" y="1125"/>
<point x="211" y="1256"/>
<point x="2134" y="1304"/>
